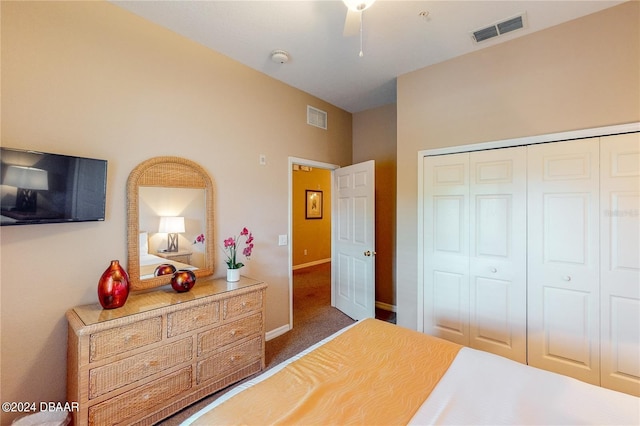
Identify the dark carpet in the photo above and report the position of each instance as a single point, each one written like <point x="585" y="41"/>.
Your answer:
<point x="313" y="316"/>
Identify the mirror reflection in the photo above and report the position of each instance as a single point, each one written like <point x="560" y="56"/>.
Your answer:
<point x="169" y="220"/>
<point x="172" y="229"/>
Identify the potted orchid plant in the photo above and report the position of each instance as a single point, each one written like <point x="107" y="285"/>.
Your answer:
<point x="231" y="248"/>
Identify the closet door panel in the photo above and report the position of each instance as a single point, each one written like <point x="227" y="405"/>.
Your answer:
<point x="566" y="227"/>
<point x="446" y="247"/>
<point x="498" y="252"/>
<point x="490" y="322"/>
<point x="563" y="258"/>
<point x="566" y="314"/>
<point x="620" y="262"/>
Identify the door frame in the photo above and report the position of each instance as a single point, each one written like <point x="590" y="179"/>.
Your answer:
<point x="318" y="165"/>
<point x="506" y="143"/>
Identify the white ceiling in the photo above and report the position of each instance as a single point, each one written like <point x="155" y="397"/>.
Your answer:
<point x="325" y="63"/>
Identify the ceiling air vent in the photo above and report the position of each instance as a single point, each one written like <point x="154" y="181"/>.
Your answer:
<point x="503" y="27"/>
<point x="316" y="117"/>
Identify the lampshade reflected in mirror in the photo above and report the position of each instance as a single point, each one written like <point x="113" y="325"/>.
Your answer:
<point x="172" y="226"/>
<point x="27" y="180"/>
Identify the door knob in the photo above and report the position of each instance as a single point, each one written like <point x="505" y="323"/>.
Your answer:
<point x="369" y="253"/>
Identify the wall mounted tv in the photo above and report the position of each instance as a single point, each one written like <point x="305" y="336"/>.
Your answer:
<point x="38" y="187"/>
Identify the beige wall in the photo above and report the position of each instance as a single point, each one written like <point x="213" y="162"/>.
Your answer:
<point x="90" y="79"/>
<point x="581" y="74"/>
<point x="312" y="235"/>
<point x="374" y="138"/>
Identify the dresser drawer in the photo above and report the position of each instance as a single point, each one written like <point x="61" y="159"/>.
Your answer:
<point x="192" y="318"/>
<point x="219" y="337"/>
<point x="239" y="305"/>
<point x="126" y="371"/>
<point x="120" y="409"/>
<point x="161" y="353"/>
<point x="230" y="360"/>
<point x="111" y="342"/>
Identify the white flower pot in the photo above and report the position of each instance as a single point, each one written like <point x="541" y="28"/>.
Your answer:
<point x="233" y="275"/>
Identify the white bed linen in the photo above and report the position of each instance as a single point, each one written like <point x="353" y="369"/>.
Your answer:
<point x="151" y="259"/>
<point x="480" y="388"/>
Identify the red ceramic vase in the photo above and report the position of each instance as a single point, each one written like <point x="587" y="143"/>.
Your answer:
<point x="183" y="280"/>
<point x="113" y="287"/>
<point x="164" y="269"/>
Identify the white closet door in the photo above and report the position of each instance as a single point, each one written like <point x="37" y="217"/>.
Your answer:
<point x="563" y="258"/>
<point x="620" y="262"/>
<point x="446" y="247"/>
<point x="498" y="252"/>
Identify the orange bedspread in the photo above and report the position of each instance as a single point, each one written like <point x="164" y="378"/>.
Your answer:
<point x="375" y="373"/>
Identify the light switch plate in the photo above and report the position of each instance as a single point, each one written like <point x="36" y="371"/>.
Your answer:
<point x="282" y="240"/>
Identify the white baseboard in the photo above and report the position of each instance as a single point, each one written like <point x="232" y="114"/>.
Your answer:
<point x="314" y="263"/>
<point x="386" y="306"/>
<point x="277" y="332"/>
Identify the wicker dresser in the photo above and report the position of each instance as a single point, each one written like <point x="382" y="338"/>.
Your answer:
<point x="163" y="350"/>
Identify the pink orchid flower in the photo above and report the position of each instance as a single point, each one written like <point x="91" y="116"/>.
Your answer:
<point x="231" y="246"/>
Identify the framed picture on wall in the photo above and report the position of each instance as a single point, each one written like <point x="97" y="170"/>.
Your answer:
<point x="313" y="206"/>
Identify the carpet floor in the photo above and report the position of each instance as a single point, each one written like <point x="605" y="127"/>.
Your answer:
<point x="313" y="320"/>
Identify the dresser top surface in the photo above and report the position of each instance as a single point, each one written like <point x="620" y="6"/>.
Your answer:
<point x="146" y="301"/>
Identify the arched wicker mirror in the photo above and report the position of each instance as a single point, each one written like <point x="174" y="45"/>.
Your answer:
<point x="170" y="220"/>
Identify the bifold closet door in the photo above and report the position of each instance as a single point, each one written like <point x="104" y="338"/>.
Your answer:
<point x="563" y="258"/>
<point x="498" y="252"/>
<point x="475" y="250"/>
<point x="620" y="262"/>
<point x="446" y="247"/>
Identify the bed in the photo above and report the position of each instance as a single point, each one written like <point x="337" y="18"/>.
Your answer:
<point x="375" y="372"/>
<point x="149" y="262"/>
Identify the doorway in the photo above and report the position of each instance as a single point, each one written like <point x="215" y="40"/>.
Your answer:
<point x="310" y="231"/>
<point x="352" y="236"/>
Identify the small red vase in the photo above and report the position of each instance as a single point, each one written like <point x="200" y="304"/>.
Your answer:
<point x="164" y="269"/>
<point x="113" y="287"/>
<point x="183" y="280"/>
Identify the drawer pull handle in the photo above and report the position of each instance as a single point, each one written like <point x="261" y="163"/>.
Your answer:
<point x="567" y="278"/>
<point x="494" y="270"/>
<point x="146" y="396"/>
<point x="233" y="332"/>
<point x="233" y="358"/>
<point x="244" y="304"/>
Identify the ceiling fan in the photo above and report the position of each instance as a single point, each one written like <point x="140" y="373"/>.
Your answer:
<point x="353" y="21"/>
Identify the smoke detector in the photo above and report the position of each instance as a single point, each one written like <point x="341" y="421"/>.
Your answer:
<point x="280" y="56"/>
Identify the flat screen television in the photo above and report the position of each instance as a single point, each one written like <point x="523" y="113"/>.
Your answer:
<point x="39" y="187"/>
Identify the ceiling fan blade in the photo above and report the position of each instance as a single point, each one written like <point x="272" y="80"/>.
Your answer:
<point x="352" y="23"/>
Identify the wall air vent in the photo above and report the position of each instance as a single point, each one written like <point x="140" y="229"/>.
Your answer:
<point x="500" y="28"/>
<point x="316" y="117"/>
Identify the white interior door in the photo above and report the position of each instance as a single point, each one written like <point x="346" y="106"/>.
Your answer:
<point x="446" y="247"/>
<point x="498" y="252"/>
<point x="563" y="258"/>
<point x="620" y="262"/>
<point x="353" y="255"/>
